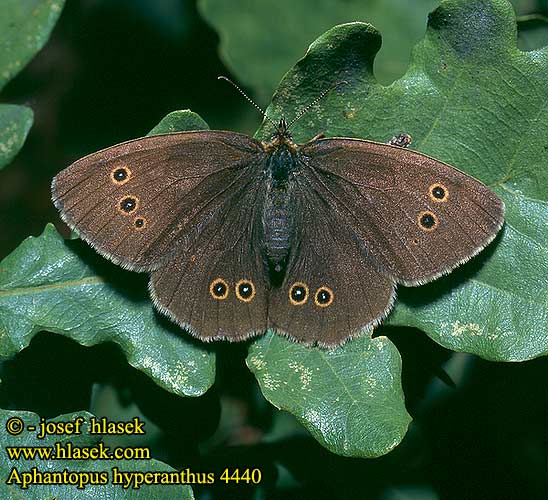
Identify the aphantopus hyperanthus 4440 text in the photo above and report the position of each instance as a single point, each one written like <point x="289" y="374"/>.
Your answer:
<point x="241" y="235"/>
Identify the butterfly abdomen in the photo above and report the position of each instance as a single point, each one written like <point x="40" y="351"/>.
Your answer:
<point x="277" y="213"/>
<point x="277" y="226"/>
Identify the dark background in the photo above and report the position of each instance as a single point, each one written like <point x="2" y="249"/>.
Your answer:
<point x="110" y="72"/>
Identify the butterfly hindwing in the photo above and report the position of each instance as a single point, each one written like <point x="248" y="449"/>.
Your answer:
<point x="217" y="287"/>
<point x="417" y="217"/>
<point x="331" y="290"/>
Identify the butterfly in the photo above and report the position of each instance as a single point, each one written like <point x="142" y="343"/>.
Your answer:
<point x="241" y="235"/>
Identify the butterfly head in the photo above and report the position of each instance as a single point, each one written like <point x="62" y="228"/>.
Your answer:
<point x="282" y="131"/>
<point x="280" y="138"/>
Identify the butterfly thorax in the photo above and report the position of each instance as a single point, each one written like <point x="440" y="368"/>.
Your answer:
<point x="281" y="156"/>
<point x="281" y="164"/>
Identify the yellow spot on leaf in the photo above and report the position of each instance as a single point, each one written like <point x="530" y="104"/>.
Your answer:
<point x="305" y="374"/>
<point x="466" y="329"/>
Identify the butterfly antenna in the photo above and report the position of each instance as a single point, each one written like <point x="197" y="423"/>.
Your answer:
<point x="309" y="106"/>
<point x="251" y="101"/>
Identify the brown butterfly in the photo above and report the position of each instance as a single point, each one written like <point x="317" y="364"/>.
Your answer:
<point x="241" y="235"/>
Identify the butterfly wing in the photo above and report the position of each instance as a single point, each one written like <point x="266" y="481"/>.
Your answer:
<point x="331" y="290"/>
<point x="416" y="217"/>
<point x="135" y="202"/>
<point x="198" y="195"/>
<point x="217" y="287"/>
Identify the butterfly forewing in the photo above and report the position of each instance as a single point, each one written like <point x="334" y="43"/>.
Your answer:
<point x="137" y="201"/>
<point x="416" y="217"/>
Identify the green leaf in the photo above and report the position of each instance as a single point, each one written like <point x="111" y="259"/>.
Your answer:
<point x="532" y="31"/>
<point x="15" y="123"/>
<point x="349" y="398"/>
<point x="64" y="287"/>
<point x="472" y="99"/>
<point x="179" y="120"/>
<point x="469" y="98"/>
<point x="78" y="468"/>
<point x="281" y="30"/>
<point x="25" y="26"/>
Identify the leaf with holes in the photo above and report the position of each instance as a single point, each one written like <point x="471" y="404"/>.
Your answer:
<point x="85" y="479"/>
<point x="281" y="30"/>
<point x="469" y="98"/>
<point x="66" y="288"/>
<point x="472" y="99"/>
